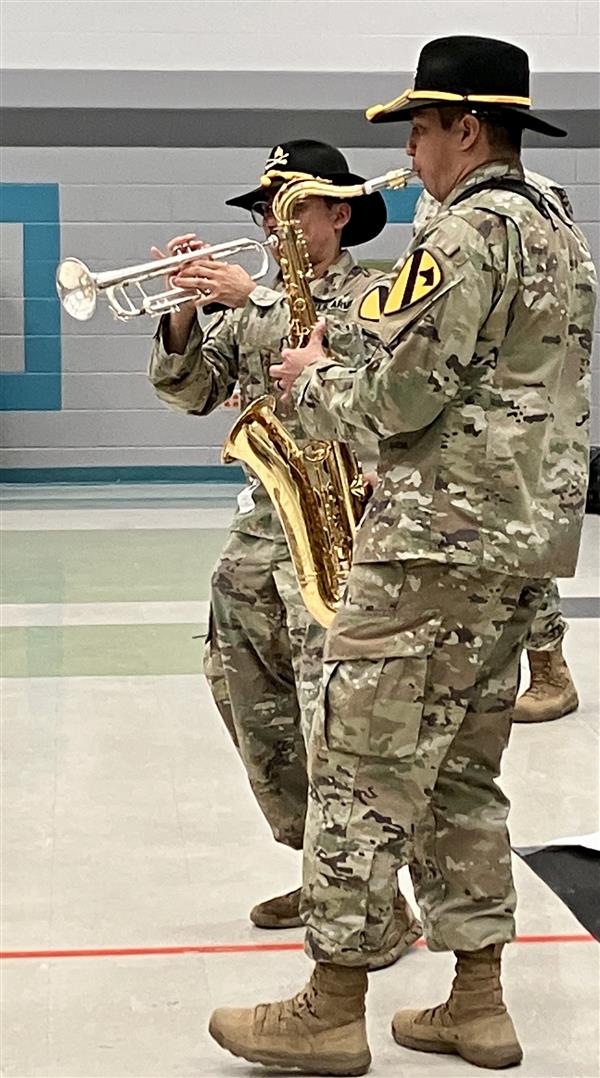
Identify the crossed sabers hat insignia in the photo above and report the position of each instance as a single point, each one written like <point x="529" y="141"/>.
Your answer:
<point x="279" y="158"/>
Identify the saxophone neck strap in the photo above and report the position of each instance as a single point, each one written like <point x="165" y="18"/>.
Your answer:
<point x="506" y="183"/>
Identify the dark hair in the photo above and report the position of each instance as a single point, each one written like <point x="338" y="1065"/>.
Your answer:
<point x="503" y="134"/>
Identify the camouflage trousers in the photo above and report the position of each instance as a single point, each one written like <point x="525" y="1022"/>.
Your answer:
<point x="263" y="661"/>
<point x="421" y="667"/>
<point x="549" y="626"/>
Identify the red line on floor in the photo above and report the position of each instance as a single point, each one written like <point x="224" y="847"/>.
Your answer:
<point x="234" y="948"/>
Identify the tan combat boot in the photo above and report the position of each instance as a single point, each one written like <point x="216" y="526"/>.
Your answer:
<point x="474" y="1023"/>
<point x="551" y="693"/>
<point x="278" y="912"/>
<point x="320" y="1031"/>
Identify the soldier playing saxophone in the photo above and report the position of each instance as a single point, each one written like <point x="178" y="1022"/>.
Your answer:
<point x="479" y="395"/>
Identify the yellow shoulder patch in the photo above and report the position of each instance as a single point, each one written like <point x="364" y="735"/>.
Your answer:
<point x="373" y="303"/>
<point x="420" y="276"/>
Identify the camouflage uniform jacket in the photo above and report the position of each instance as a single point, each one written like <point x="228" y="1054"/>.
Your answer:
<point x="239" y="346"/>
<point x="427" y="206"/>
<point x="479" y="391"/>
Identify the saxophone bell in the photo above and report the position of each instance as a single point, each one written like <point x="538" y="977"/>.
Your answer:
<point x="303" y="485"/>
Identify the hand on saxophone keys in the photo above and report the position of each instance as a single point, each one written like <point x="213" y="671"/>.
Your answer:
<point x="294" y="360"/>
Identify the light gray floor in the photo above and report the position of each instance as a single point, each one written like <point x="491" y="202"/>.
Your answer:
<point x="128" y="823"/>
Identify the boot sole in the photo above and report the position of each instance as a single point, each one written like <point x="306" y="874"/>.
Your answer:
<point x="544" y="718"/>
<point x="492" y="1059"/>
<point x="328" y="1067"/>
<point x="290" y="922"/>
<point x="525" y="719"/>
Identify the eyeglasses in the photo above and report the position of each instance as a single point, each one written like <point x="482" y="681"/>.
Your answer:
<point x="259" y="210"/>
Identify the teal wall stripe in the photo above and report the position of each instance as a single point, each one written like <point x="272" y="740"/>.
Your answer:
<point x="29" y="202"/>
<point x="203" y="473"/>
<point x="41" y="357"/>
<point x="31" y="392"/>
<point x="401" y="204"/>
<point x="38" y="388"/>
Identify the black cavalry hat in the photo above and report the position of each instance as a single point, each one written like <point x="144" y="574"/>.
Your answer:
<point x="490" y="75"/>
<point x="304" y="158"/>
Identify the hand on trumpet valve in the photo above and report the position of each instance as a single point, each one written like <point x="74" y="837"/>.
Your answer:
<point x="218" y="282"/>
<point x="179" y="245"/>
<point x="210" y="280"/>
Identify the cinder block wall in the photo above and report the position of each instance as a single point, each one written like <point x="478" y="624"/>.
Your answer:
<point x="120" y="138"/>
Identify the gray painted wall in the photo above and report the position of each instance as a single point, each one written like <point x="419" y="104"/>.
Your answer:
<point x="117" y="201"/>
<point x="289" y="35"/>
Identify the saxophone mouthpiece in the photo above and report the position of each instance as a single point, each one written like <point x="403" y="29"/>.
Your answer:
<point x="395" y="179"/>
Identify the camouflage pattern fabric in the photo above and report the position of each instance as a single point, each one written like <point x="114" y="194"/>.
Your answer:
<point x="263" y="661"/>
<point x="420" y="675"/>
<point x="479" y="392"/>
<point x="263" y="657"/>
<point x="479" y="395"/>
<point x="240" y="345"/>
<point x="549" y="626"/>
<point x="447" y="884"/>
<point x="427" y="206"/>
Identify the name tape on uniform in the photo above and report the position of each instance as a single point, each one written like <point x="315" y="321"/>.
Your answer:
<point x="420" y="276"/>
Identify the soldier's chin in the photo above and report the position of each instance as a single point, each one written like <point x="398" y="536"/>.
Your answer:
<point x="430" y="187"/>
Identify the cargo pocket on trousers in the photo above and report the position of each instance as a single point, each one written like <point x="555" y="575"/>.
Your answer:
<point x="374" y="707"/>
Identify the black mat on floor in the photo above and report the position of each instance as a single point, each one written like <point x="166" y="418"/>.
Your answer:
<point x="573" y="873"/>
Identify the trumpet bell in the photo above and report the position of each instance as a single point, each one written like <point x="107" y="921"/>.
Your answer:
<point x="76" y="289"/>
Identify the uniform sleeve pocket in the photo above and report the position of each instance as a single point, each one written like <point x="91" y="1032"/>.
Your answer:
<point x="374" y="706"/>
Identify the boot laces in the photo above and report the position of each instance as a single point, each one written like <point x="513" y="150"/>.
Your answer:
<point x="547" y="669"/>
<point x="434" y="1016"/>
<point x="537" y="690"/>
<point x="299" y="1006"/>
<point x="305" y="1002"/>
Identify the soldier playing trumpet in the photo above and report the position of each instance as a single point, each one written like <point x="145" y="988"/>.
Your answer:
<point x="263" y="655"/>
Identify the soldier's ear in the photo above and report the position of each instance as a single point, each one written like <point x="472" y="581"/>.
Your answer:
<point x="343" y="213"/>
<point x="469" y="130"/>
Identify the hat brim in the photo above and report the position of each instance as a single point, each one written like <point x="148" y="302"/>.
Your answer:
<point x="525" y="117"/>
<point x="369" y="214"/>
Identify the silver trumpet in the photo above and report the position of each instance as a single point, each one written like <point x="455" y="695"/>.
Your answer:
<point x="78" y="288"/>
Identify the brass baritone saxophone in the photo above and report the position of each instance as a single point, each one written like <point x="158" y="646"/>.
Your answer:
<point x="317" y="490"/>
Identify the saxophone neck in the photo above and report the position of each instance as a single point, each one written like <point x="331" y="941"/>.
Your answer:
<point x="294" y="191"/>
